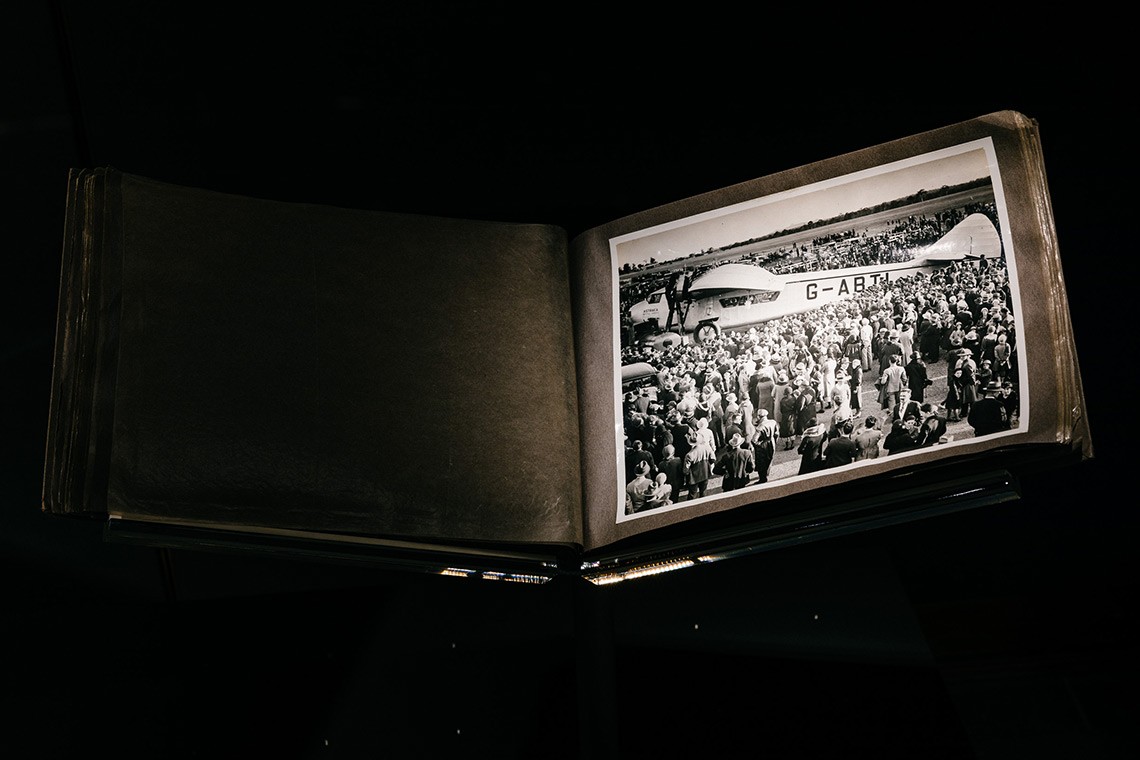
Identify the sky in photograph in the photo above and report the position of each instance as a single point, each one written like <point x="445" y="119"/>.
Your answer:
<point x="794" y="208"/>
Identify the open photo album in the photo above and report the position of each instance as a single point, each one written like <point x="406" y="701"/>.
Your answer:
<point x="860" y="337"/>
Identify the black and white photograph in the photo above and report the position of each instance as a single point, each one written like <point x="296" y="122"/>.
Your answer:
<point x="870" y="316"/>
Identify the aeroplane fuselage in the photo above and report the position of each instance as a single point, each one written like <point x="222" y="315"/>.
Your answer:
<point x="739" y="295"/>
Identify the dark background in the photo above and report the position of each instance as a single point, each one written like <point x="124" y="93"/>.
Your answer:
<point x="1007" y="631"/>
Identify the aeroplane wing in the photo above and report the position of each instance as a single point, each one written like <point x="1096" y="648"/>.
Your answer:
<point x="735" y="277"/>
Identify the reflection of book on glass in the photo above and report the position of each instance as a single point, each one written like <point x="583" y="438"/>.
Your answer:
<point x="418" y="384"/>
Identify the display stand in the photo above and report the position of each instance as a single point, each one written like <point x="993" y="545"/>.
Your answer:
<point x="792" y="527"/>
<point x="498" y="564"/>
<point x="762" y="527"/>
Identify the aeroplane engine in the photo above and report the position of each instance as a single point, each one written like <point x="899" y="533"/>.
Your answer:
<point x="662" y="341"/>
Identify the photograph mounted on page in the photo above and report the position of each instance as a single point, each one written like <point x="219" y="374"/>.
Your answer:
<point x="817" y="331"/>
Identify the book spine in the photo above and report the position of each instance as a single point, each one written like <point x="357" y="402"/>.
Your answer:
<point x="60" y="433"/>
<point x="73" y="453"/>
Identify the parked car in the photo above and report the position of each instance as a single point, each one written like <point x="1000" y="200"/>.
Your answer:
<point x="639" y="375"/>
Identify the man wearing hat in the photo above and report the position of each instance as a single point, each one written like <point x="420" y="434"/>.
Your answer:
<point x="805" y="405"/>
<point x="878" y="343"/>
<point x="764" y="443"/>
<point x="964" y="382"/>
<point x="698" y="464"/>
<point x="638" y="489"/>
<point x="852" y="347"/>
<point x="891" y="347"/>
<point x="891" y="382"/>
<point x="811" y="447"/>
<point x="867" y="439"/>
<point x="1008" y="396"/>
<point x="783" y="382"/>
<point x="932" y="425"/>
<point x="906" y="406"/>
<point x="668" y="393"/>
<point x="987" y="414"/>
<point x="747" y="416"/>
<point x="642" y="401"/>
<point x="681" y="430"/>
<point x="841" y="449"/>
<point x="929" y="336"/>
<point x="856" y="382"/>
<point x="906" y="338"/>
<point x="985" y="373"/>
<point x="736" y="464"/>
<point x="866" y="335"/>
<point x="730" y="407"/>
<point x="1003" y="356"/>
<point x="789" y="404"/>
<point x="957" y="336"/>
<point x="765" y="422"/>
<point x="917" y="376"/>
<point x="676" y="293"/>
<point x="661" y="495"/>
<point x="687" y="406"/>
<point x="734" y="426"/>
<point x="637" y="455"/>
<point x="887" y="317"/>
<point x="672" y="468"/>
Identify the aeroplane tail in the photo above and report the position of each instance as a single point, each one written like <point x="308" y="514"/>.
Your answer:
<point x="975" y="237"/>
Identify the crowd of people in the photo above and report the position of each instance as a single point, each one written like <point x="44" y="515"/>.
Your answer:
<point x="723" y="408"/>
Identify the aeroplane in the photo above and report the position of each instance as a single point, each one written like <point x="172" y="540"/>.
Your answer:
<point x="738" y="295"/>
